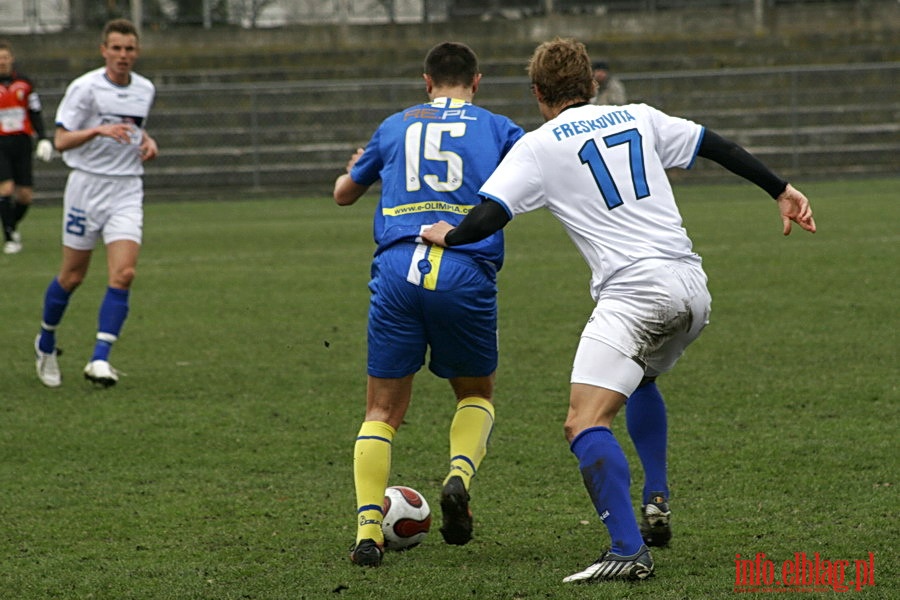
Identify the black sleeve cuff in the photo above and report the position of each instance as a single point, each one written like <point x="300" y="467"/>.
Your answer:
<point x="38" y="124"/>
<point x="740" y="162"/>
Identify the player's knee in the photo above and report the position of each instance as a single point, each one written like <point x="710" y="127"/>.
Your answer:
<point x="122" y="278"/>
<point x="473" y="387"/>
<point x="481" y="393"/>
<point x="70" y="280"/>
<point x="391" y="415"/>
<point x="24" y="195"/>
<point x="126" y="276"/>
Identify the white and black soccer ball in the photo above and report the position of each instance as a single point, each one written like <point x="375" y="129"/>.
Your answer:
<point x="407" y="518"/>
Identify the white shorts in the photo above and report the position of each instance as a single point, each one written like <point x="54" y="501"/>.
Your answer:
<point x="646" y="315"/>
<point x="94" y="205"/>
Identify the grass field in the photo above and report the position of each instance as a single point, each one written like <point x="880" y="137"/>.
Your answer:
<point x="220" y="466"/>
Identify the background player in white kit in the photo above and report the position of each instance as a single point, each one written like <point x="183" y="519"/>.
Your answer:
<point x="100" y="132"/>
<point x="601" y="171"/>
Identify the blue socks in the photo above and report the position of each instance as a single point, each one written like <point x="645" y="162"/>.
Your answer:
<point x="113" y="311"/>
<point x="645" y="417"/>
<point x="56" y="299"/>
<point x="604" y="469"/>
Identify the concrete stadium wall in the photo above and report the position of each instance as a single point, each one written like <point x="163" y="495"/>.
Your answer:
<point x="879" y="18"/>
<point x="284" y="108"/>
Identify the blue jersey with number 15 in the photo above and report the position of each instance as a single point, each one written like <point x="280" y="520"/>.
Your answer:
<point x="432" y="159"/>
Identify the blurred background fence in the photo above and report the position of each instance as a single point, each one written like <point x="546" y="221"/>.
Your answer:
<point x="805" y="122"/>
<point x="814" y="90"/>
<point x="36" y="16"/>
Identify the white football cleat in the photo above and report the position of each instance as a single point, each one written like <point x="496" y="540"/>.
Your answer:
<point x="46" y="365"/>
<point x="13" y="246"/>
<point x="611" y="567"/>
<point x="101" y="372"/>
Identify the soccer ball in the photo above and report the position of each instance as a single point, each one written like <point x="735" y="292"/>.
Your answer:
<point x="407" y="518"/>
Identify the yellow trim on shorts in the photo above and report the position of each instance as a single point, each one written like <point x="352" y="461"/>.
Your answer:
<point x="434" y="258"/>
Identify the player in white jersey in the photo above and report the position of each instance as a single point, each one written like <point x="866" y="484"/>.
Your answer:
<point x="600" y="170"/>
<point x="100" y="132"/>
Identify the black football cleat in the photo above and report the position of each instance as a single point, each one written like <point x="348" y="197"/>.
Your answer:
<point x="457" y="527"/>
<point x="367" y="553"/>
<point x="656" y="517"/>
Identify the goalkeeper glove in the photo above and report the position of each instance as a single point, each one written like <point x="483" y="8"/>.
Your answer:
<point x="44" y="150"/>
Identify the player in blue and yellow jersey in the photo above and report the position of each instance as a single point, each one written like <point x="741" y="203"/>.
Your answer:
<point x="431" y="160"/>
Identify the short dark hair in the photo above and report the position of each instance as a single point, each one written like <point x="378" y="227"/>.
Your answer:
<point x="451" y="64"/>
<point x="6" y="45"/>
<point x="123" y="26"/>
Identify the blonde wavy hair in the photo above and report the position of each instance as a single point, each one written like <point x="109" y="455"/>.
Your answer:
<point x="561" y="70"/>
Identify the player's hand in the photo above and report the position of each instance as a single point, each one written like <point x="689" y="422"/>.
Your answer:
<point x="148" y="148"/>
<point x="794" y="206"/>
<point x="354" y="158"/>
<point x="121" y="132"/>
<point x="44" y="150"/>
<point x="437" y="233"/>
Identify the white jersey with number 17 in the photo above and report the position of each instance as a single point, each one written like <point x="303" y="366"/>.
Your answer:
<point x="600" y="170"/>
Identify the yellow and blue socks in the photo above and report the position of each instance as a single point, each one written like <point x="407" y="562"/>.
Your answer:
<point x="371" y="468"/>
<point x="604" y="470"/>
<point x="469" y="435"/>
<point x="645" y="417"/>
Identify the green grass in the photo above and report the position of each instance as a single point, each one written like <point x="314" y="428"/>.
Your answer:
<point x="220" y="466"/>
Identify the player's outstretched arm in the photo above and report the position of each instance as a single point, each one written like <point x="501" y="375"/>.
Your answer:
<point x="483" y="220"/>
<point x="794" y="206"/>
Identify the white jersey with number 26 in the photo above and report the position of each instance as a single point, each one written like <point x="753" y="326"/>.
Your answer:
<point x="600" y="170"/>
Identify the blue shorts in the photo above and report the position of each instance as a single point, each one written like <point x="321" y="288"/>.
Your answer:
<point x="428" y="297"/>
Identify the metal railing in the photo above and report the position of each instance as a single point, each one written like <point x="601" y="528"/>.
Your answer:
<point x="39" y="16"/>
<point x="814" y="121"/>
